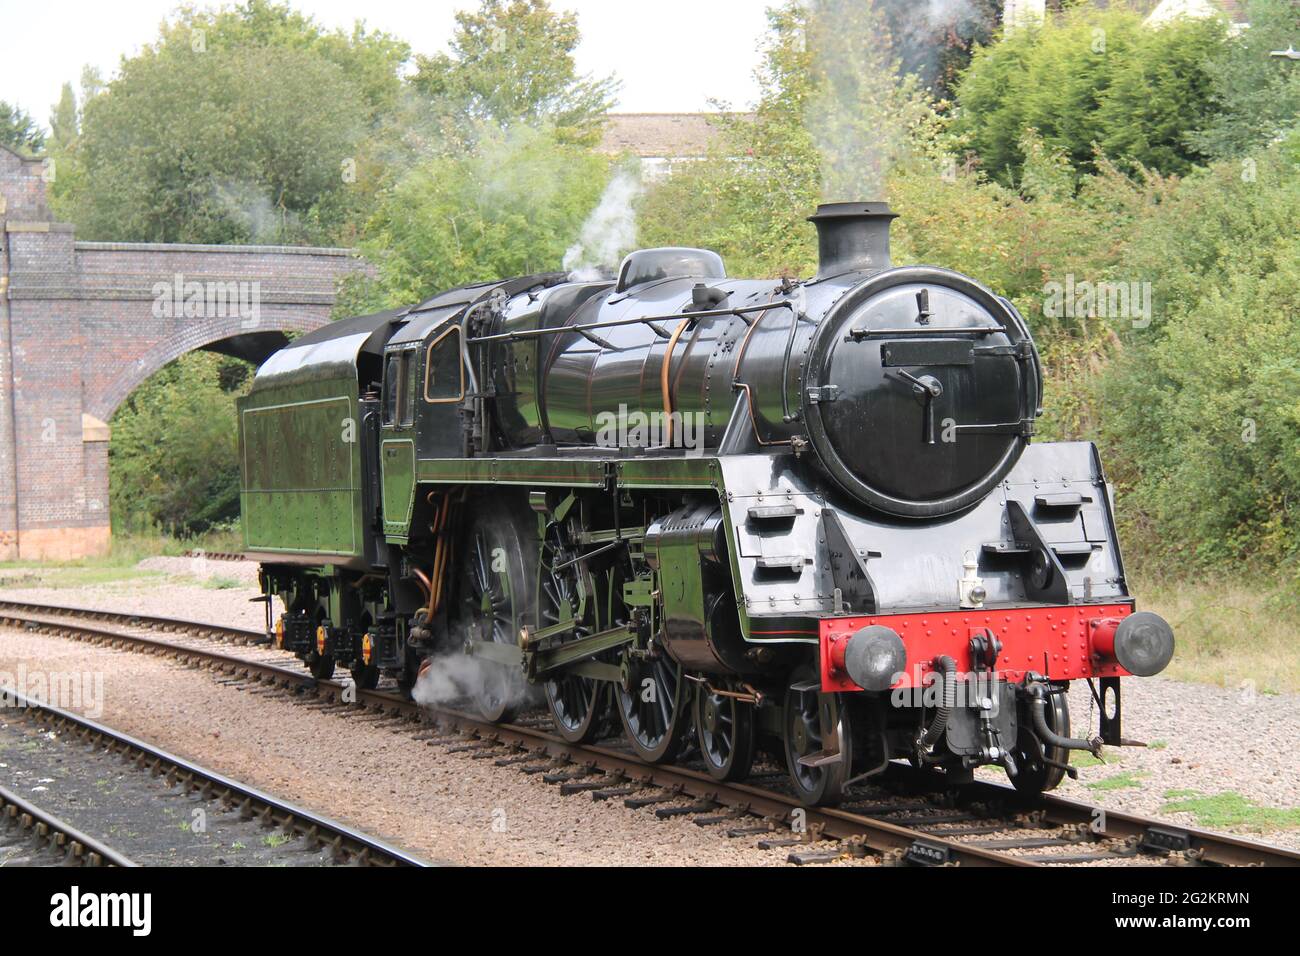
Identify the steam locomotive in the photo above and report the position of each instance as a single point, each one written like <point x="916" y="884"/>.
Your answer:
<point x="718" y="516"/>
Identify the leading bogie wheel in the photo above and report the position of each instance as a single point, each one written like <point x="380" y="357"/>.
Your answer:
<point x="321" y="666"/>
<point x="365" y="676"/>
<point x="816" y="773"/>
<point x="1034" y="774"/>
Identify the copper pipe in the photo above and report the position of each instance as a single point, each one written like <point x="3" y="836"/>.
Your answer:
<point x="749" y="393"/>
<point x="435" y="587"/>
<point x="422" y="578"/>
<point x="442" y="554"/>
<point x="663" y="381"/>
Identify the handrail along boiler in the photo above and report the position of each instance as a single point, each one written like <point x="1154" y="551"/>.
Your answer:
<point x="725" y="515"/>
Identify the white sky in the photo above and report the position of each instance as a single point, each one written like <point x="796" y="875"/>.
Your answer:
<point x="671" y="55"/>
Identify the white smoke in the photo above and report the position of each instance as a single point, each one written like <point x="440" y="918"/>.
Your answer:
<point x="251" y="206"/>
<point x="610" y="230"/>
<point x="456" y="677"/>
<point x="866" y="105"/>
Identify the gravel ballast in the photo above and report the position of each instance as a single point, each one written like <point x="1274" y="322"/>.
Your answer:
<point x="1206" y="741"/>
<point x="443" y="806"/>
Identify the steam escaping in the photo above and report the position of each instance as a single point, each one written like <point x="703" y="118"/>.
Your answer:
<point x="869" y="61"/>
<point x="250" y="206"/>
<point x="610" y="230"/>
<point x="457" y="678"/>
<point x="860" y="114"/>
<point x="921" y="31"/>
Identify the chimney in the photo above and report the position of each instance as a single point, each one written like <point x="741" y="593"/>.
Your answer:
<point x="852" y="237"/>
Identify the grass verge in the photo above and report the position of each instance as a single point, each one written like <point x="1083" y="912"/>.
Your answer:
<point x="1237" y="633"/>
<point x="1229" y="810"/>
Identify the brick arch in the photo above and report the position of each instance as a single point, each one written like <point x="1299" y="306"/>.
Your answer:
<point x="101" y="402"/>
<point x="81" y="327"/>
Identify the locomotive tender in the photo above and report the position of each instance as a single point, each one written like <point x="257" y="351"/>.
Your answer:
<point x="798" y="516"/>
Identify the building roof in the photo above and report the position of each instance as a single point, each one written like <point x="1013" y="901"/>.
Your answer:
<point x="660" y="135"/>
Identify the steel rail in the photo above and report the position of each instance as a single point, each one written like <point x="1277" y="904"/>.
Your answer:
<point x="238" y="635"/>
<point x="347" y="843"/>
<point x="843" y="824"/>
<point x="82" y="849"/>
<point x="1205" y="845"/>
<point x="878" y="835"/>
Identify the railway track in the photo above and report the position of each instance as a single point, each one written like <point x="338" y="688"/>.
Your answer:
<point x="312" y="832"/>
<point x="23" y="824"/>
<point x="905" y="818"/>
<point x="216" y="555"/>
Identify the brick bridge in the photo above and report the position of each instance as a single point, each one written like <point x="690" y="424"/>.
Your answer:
<point x="84" y="323"/>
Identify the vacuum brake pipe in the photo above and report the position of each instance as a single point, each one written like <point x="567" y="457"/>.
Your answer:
<point x="948" y="675"/>
<point x="1038" y="711"/>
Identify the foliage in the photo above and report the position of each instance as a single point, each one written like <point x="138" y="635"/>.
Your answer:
<point x="1257" y="96"/>
<point x="511" y="61"/>
<point x="64" y="119"/>
<point x="243" y="125"/>
<point x="1091" y="82"/>
<point x="19" y="131"/>
<point x="830" y="122"/>
<point x="510" y="207"/>
<point x="1204" y="405"/>
<point x="1230" y="810"/>
<point x="173" y="460"/>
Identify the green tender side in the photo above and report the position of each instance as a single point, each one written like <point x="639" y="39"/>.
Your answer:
<point x="301" y="470"/>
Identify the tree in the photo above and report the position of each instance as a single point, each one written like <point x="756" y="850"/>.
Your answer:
<point x="198" y="147"/>
<point x="511" y="61"/>
<point x="248" y="124"/>
<point x="64" y="119"/>
<point x="173" y="460"/>
<point x="1160" y="95"/>
<point x="1258" y="96"/>
<point x="510" y="207"/>
<point x="1090" y="80"/>
<point x="19" y="131"/>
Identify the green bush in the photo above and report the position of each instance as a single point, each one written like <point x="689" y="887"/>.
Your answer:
<point x="510" y="207"/>
<point x="1091" y="81"/>
<point x="173" y="456"/>
<point x="1202" y="409"/>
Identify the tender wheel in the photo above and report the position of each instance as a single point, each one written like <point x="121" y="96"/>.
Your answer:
<point x="654" y="711"/>
<point x="724" y="729"/>
<point x="494" y="602"/>
<point x="413" y="667"/>
<point x="1034" y="775"/>
<point x="365" y="676"/>
<point x="806" y="708"/>
<point x="321" y="666"/>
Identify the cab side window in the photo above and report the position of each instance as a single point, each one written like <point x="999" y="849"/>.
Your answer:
<point x="444" y="376"/>
<point x="392" y="380"/>
<point x="408" y="387"/>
